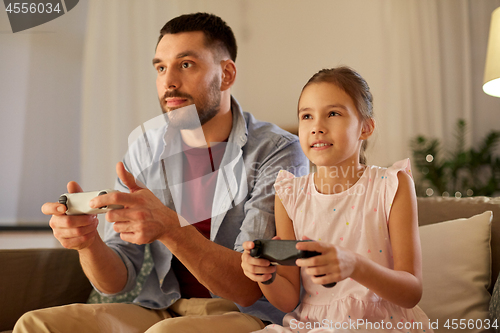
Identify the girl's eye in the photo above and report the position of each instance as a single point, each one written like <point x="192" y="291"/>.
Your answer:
<point x="333" y="114"/>
<point x="306" y="116"/>
<point x="186" y="65"/>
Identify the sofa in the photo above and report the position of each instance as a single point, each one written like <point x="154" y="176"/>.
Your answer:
<point x="460" y="251"/>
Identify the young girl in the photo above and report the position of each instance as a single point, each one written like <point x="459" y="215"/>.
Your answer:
<point x="363" y="220"/>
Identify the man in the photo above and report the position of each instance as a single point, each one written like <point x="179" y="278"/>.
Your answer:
<point x="195" y="64"/>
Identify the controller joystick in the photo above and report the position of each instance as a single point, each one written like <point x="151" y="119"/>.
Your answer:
<point x="282" y="252"/>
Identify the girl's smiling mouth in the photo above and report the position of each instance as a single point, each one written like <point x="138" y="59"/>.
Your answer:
<point x="318" y="145"/>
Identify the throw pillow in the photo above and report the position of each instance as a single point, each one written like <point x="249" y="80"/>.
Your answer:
<point x="456" y="267"/>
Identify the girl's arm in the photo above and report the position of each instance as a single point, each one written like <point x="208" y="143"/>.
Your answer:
<point x="401" y="285"/>
<point x="284" y="292"/>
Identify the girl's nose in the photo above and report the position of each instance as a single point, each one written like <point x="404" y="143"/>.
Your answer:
<point x="318" y="129"/>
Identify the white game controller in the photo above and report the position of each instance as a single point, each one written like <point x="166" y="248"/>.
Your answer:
<point x="78" y="203"/>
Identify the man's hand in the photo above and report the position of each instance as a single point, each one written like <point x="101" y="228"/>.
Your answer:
<point x="144" y="217"/>
<point x="73" y="232"/>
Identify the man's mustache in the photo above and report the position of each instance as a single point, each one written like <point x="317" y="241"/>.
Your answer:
<point x="178" y="94"/>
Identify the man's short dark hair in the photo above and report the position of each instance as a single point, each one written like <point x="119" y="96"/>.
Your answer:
<point x="217" y="33"/>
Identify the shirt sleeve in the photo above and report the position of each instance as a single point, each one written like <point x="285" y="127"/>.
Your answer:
<point x="259" y="222"/>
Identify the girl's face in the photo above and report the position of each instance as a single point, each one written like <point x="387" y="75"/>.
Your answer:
<point x="330" y="127"/>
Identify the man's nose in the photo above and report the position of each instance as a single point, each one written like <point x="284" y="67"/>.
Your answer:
<point x="172" y="80"/>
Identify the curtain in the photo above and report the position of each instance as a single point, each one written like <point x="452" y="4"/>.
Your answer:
<point x="424" y="65"/>
<point x="118" y="82"/>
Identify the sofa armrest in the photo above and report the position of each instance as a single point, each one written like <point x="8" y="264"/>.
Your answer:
<point x="32" y="279"/>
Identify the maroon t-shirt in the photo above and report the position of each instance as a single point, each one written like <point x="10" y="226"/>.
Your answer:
<point x="200" y="177"/>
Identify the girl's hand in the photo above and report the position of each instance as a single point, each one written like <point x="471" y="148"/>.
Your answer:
<point x="333" y="265"/>
<point x="258" y="270"/>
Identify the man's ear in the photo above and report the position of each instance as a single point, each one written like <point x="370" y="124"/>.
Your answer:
<point x="368" y="128"/>
<point x="228" y="74"/>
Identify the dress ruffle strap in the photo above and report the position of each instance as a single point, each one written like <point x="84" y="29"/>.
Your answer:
<point x="392" y="182"/>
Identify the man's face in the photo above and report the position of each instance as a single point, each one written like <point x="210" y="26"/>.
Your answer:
<point x="187" y="73"/>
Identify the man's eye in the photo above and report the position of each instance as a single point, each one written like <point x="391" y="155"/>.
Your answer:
<point x="160" y="69"/>
<point x="186" y="65"/>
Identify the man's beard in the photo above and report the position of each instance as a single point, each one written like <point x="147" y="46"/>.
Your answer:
<point x="207" y="107"/>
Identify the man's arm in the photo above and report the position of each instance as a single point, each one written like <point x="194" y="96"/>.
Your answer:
<point x="216" y="267"/>
<point x="145" y="219"/>
<point x="103" y="267"/>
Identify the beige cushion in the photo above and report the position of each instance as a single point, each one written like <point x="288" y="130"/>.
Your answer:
<point x="456" y="269"/>
<point x="438" y="209"/>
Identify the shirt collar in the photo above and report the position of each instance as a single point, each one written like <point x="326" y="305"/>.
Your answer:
<point x="239" y="132"/>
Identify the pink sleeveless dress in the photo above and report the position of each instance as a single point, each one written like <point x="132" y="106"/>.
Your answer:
<point x="356" y="219"/>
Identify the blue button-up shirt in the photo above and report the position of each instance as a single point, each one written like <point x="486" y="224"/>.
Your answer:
<point x="243" y="202"/>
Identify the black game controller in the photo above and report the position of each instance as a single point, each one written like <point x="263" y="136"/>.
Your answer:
<point x="282" y="252"/>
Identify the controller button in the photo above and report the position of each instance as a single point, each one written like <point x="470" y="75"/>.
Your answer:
<point x="63" y="200"/>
